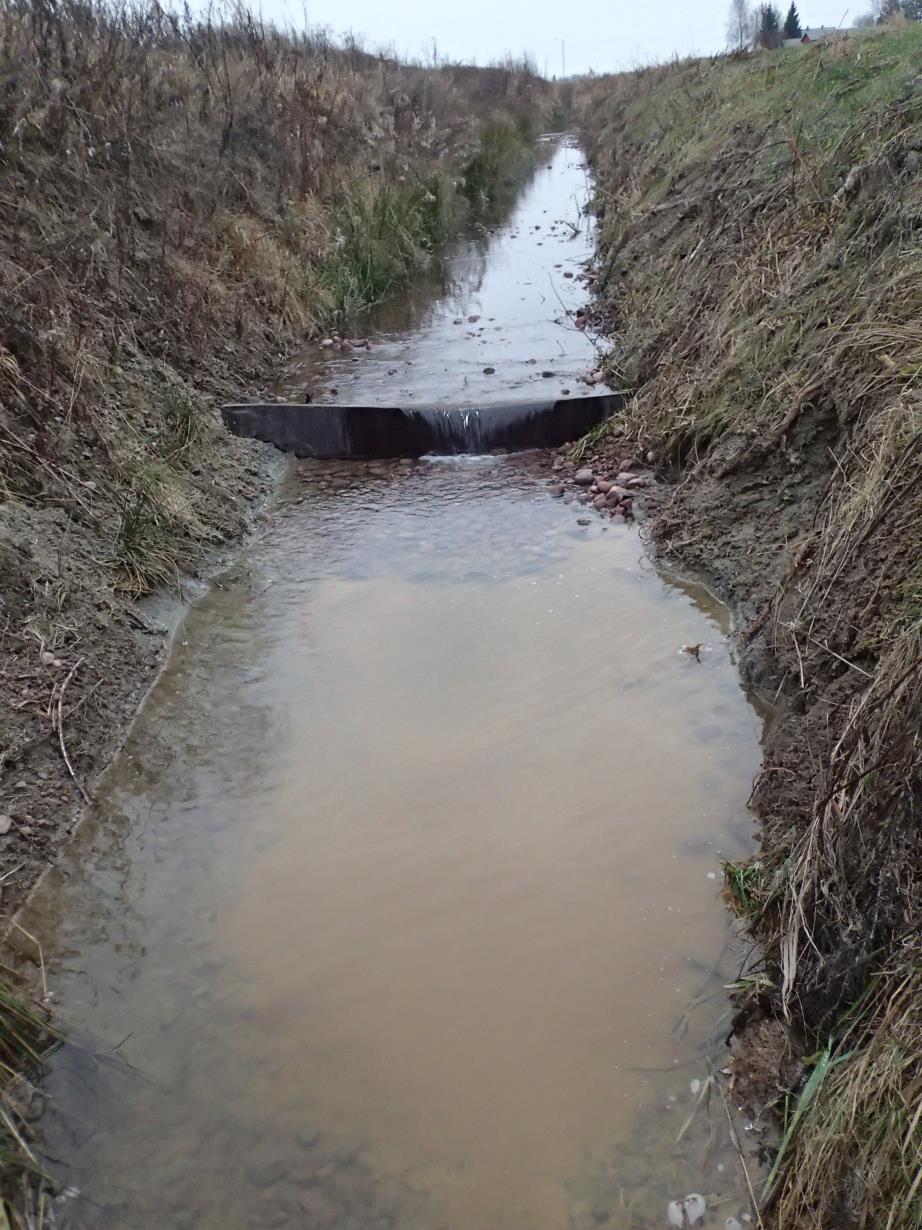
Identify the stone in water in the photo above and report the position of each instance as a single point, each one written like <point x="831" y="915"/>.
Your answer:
<point x="687" y="1212"/>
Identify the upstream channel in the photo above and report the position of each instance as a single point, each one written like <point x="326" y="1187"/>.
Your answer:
<point x="391" y="913"/>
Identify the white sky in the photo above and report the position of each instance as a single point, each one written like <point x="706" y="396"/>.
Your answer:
<point x="604" y="35"/>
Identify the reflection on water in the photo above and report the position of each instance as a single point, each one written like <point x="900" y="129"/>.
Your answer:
<point x="401" y="884"/>
<point x="496" y="323"/>
<point x="391" y="912"/>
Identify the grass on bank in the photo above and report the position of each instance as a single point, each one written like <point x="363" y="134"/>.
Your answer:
<point x="383" y="233"/>
<point x="744" y="881"/>
<point x="855" y="1126"/>
<point x="761" y="261"/>
<point x="504" y="152"/>
<point x="754" y="157"/>
<point x="26" y="1037"/>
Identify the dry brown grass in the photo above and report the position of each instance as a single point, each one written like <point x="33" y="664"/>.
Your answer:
<point x="762" y="274"/>
<point x="173" y="199"/>
<point x="181" y="202"/>
<point x="859" y="1153"/>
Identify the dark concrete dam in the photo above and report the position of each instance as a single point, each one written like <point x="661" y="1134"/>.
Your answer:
<point x="330" y="431"/>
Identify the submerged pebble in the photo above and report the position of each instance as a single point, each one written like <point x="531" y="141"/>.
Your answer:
<point x="695" y="1208"/>
<point x="687" y="1212"/>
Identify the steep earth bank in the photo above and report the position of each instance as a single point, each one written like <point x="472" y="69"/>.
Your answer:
<point x="760" y="273"/>
<point x="182" y="203"/>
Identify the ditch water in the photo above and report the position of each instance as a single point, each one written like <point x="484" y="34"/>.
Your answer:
<point x="393" y="910"/>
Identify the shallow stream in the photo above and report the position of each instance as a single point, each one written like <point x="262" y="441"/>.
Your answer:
<point x="393" y="909"/>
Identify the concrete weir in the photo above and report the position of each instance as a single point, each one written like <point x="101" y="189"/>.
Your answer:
<point x="394" y="431"/>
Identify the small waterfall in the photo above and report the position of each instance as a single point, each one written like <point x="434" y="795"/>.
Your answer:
<point x="392" y="431"/>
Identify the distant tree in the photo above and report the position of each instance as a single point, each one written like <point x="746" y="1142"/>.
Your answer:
<point x="769" y="26"/>
<point x="912" y="9"/>
<point x="741" y="25"/>
<point x="865" y="21"/>
<point x="792" y="27"/>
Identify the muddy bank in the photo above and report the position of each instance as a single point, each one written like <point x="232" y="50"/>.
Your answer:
<point x="150" y="276"/>
<point x="763" y="298"/>
<point x="79" y="669"/>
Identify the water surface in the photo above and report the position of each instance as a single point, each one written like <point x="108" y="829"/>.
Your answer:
<point x="495" y="322"/>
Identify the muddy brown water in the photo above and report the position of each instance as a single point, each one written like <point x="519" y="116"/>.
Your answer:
<point x="393" y="909"/>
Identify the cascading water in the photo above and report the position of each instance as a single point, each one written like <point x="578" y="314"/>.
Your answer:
<point x="389" y="431"/>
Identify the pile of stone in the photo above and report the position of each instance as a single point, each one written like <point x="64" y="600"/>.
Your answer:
<point x="614" y="496"/>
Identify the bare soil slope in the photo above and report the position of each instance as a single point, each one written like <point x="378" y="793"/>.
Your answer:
<point x="761" y="274"/>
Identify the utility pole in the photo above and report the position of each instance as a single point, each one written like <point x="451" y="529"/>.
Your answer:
<point x="563" y="57"/>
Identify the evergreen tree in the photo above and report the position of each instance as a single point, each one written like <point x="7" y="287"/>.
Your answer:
<point x="792" y="27"/>
<point x="769" y="26"/>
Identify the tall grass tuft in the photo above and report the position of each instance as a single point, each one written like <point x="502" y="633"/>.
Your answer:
<point x="505" y="148"/>
<point x="382" y="234"/>
<point x="150" y="547"/>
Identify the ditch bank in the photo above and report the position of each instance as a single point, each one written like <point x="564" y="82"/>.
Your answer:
<point x="759" y="271"/>
<point x="265" y="188"/>
<point x="207" y="257"/>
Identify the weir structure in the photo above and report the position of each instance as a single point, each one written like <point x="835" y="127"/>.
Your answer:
<point x="395" y="431"/>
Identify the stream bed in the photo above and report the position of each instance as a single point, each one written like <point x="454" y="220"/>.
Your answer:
<point x="394" y="908"/>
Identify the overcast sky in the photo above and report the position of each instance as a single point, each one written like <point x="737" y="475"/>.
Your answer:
<point x="598" y="34"/>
